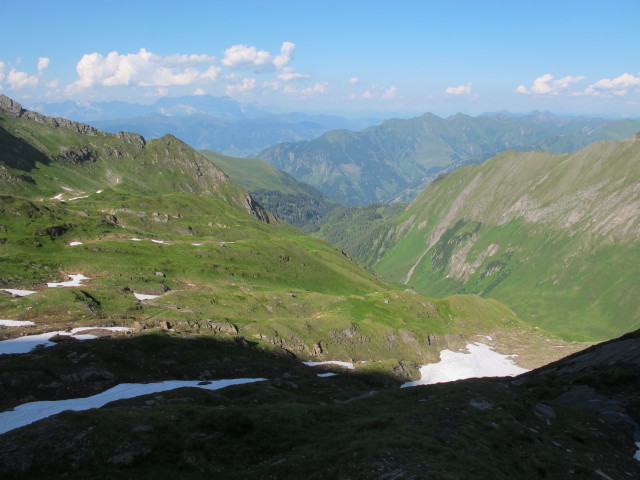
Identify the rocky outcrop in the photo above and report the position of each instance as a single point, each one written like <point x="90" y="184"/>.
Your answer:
<point x="257" y="210"/>
<point x="76" y="154"/>
<point x="132" y="139"/>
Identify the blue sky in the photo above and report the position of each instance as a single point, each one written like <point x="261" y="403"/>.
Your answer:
<point x="349" y="57"/>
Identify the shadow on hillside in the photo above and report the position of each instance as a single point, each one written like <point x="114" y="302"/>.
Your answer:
<point x="16" y="153"/>
<point x="83" y="368"/>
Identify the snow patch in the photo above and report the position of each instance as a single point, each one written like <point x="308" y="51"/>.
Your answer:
<point x="19" y="293"/>
<point x="481" y="361"/>
<point x="142" y="296"/>
<point x="15" y="323"/>
<point x="28" y="413"/>
<point x="76" y="281"/>
<point x="98" y="191"/>
<point x="110" y="329"/>
<point x="136" y="239"/>
<point x="159" y="241"/>
<point x="77" y="198"/>
<point x="57" y="197"/>
<point x="73" y="244"/>
<point x="29" y="342"/>
<point x="348" y="365"/>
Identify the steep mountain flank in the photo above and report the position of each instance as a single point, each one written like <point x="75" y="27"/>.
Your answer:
<point x="396" y="159"/>
<point x="556" y="237"/>
<point x="298" y="203"/>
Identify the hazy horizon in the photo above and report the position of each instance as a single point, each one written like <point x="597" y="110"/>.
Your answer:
<point x="354" y="58"/>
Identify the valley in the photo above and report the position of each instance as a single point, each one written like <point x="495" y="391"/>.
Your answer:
<point x="138" y="261"/>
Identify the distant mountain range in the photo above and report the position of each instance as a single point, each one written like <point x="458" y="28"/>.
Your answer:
<point x="398" y="158"/>
<point x="203" y="121"/>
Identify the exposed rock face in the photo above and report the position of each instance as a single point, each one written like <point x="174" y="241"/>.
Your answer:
<point x="132" y="138"/>
<point x="10" y="106"/>
<point x="76" y="154"/>
<point x="257" y="210"/>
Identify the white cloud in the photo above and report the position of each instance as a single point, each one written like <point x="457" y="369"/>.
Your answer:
<point x="285" y="56"/>
<point x="304" y="93"/>
<point x="18" y="79"/>
<point x="239" y="57"/>
<point x="1" y="70"/>
<point x="619" y="86"/>
<point x="288" y="74"/>
<point x="354" y="80"/>
<point x="622" y="85"/>
<point x="546" y="85"/>
<point x="43" y="62"/>
<point x="241" y="88"/>
<point x="459" y="90"/>
<point x="143" y="68"/>
<point x="389" y="93"/>
<point x="376" y="92"/>
<point x="199" y="91"/>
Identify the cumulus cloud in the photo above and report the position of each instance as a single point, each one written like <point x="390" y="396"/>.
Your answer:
<point x="43" y="62"/>
<point x="459" y="90"/>
<point x="622" y="85"/>
<point x="143" y="68"/>
<point x="619" y="86"/>
<point x="199" y="91"/>
<point x="547" y="85"/>
<point x="242" y="57"/>
<point x="285" y="56"/>
<point x="354" y="80"/>
<point x="18" y="80"/>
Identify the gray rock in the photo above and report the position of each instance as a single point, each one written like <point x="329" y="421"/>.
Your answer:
<point x="480" y="405"/>
<point x="544" y="412"/>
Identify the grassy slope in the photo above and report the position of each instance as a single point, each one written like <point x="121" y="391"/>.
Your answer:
<point x="554" y="237"/>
